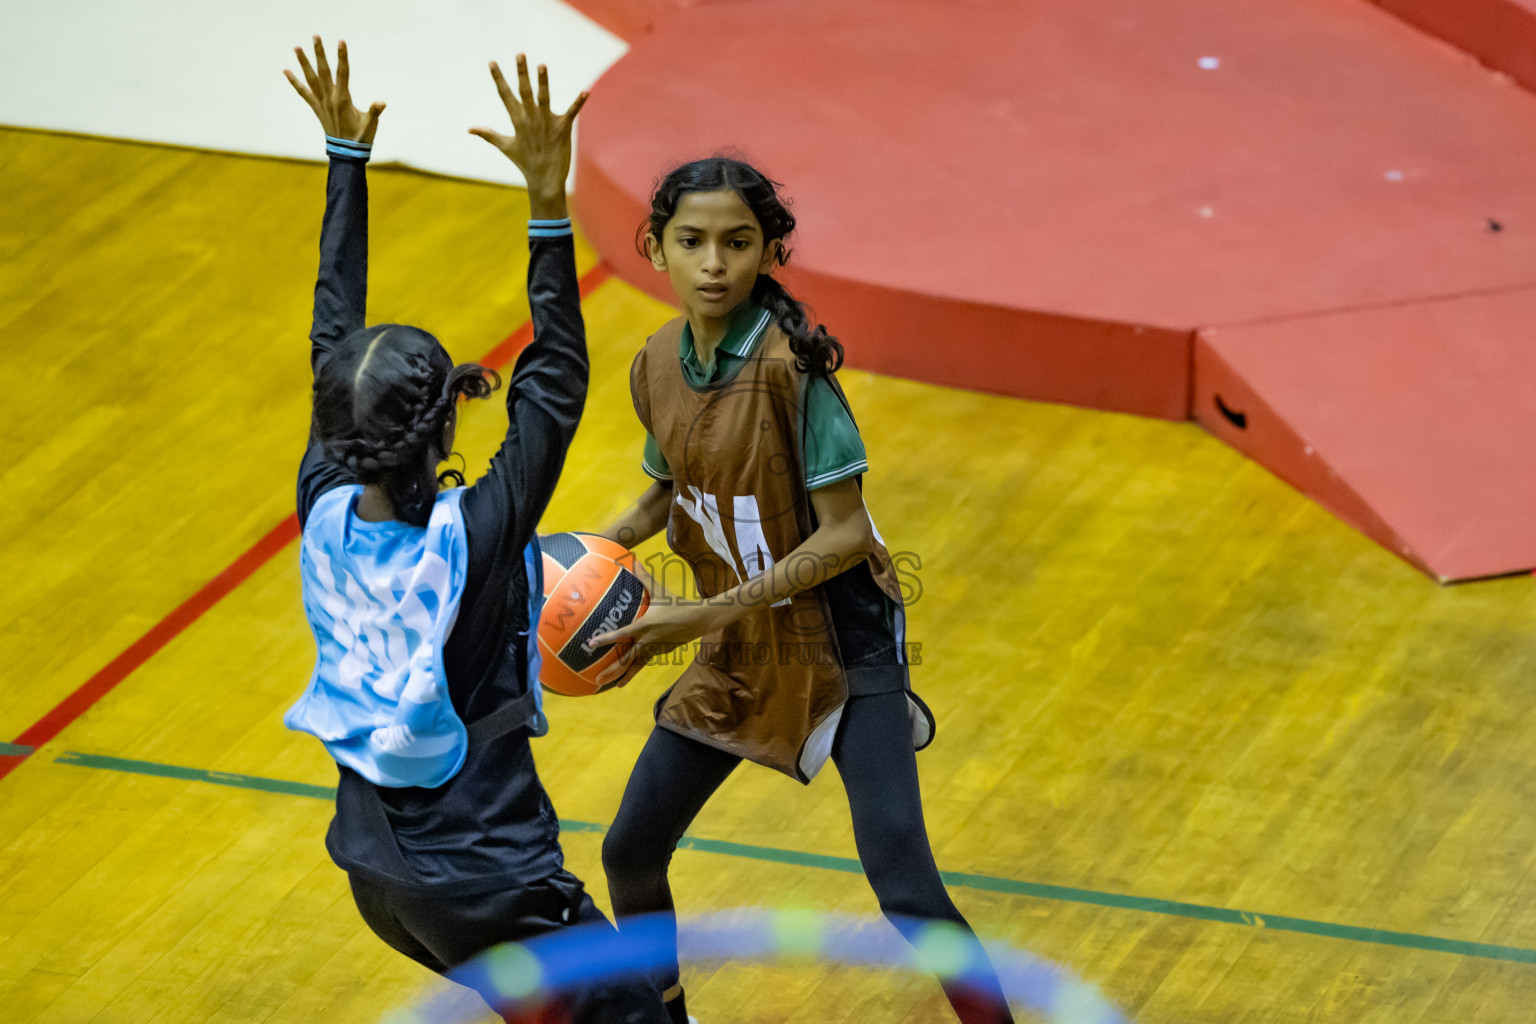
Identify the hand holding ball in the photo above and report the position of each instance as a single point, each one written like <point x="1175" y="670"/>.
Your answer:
<point x="587" y="591"/>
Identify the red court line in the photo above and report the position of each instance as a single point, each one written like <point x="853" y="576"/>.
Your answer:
<point x="142" y="649"/>
<point x="238" y="571"/>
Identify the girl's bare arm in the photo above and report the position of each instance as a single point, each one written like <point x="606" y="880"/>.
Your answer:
<point x="644" y="519"/>
<point x="843" y="539"/>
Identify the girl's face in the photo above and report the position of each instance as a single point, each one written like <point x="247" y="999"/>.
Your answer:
<point x="712" y="251"/>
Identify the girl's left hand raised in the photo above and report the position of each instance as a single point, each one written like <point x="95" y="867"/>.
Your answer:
<point x="540" y="145"/>
<point x="331" y="99"/>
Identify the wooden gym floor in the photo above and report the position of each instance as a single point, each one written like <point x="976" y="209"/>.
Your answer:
<point x="1276" y="774"/>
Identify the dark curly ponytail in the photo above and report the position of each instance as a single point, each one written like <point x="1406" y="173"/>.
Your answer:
<point x="381" y="403"/>
<point x="814" y="349"/>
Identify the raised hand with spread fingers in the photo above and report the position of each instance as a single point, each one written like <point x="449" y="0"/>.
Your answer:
<point x="540" y="145"/>
<point x="331" y="98"/>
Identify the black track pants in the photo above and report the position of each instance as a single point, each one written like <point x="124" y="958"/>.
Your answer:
<point x="675" y="776"/>
<point x="442" y="933"/>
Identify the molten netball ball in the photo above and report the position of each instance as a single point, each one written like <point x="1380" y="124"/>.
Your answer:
<point x="587" y="590"/>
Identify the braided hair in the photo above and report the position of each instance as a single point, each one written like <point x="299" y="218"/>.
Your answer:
<point x="814" y="349"/>
<point x="381" y="403"/>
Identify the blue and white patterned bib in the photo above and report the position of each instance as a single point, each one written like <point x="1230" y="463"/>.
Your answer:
<point x="381" y="599"/>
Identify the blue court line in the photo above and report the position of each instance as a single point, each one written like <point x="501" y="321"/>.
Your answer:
<point x="988" y="883"/>
<point x="14" y="750"/>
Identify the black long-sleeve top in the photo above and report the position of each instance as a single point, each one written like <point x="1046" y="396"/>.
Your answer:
<point x="491" y="826"/>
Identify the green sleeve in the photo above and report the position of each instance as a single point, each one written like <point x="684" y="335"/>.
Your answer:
<point x="833" y="449"/>
<point x="654" y="464"/>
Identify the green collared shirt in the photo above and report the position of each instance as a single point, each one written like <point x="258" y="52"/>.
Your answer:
<point x="833" y="449"/>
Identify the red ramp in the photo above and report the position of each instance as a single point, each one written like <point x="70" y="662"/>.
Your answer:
<point x="1415" y="423"/>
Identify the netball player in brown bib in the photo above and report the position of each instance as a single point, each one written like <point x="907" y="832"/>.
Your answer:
<point x="757" y="466"/>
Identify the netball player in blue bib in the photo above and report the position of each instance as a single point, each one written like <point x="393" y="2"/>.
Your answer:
<point x="425" y="689"/>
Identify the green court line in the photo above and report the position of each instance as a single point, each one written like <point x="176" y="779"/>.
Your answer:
<point x="14" y="750"/>
<point x="989" y="883"/>
<point x="168" y="771"/>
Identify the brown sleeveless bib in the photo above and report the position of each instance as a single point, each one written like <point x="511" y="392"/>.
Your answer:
<point x="769" y="687"/>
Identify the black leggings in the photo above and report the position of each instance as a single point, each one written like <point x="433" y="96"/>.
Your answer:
<point x="675" y="776"/>
<point x="440" y="933"/>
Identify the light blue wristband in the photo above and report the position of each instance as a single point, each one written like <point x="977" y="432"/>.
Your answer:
<point x="550" y="228"/>
<point x="347" y="149"/>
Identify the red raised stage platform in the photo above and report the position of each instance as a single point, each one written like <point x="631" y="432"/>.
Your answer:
<point x="1056" y="199"/>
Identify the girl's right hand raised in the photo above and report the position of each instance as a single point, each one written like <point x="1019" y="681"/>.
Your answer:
<point x="331" y="99"/>
<point x="541" y="143"/>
